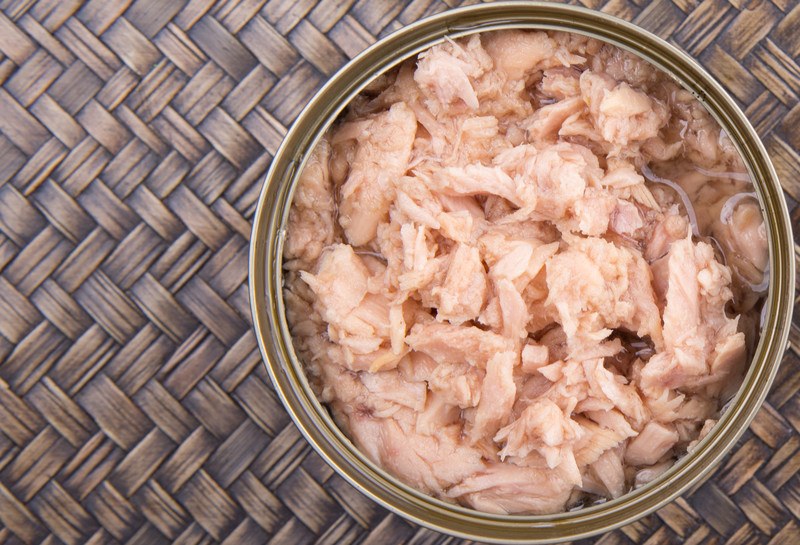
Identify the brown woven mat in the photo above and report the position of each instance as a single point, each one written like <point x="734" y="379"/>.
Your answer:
<point x="134" y="136"/>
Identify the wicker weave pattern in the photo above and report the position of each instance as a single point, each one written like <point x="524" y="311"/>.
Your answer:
<point x="133" y="139"/>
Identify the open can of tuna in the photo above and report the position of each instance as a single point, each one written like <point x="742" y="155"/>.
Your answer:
<point x="267" y="276"/>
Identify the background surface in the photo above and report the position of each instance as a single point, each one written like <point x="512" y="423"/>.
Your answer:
<point x="134" y="137"/>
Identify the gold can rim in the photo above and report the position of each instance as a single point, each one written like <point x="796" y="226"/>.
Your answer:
<point x="286" y="372"/>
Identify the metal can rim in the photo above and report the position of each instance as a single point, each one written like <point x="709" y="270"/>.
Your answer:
<point x="271" y="329"/>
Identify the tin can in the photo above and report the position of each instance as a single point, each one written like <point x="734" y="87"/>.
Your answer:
<point x="286" y="371"/>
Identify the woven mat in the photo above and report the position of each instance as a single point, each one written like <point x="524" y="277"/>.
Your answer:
<point x="134" y="137"/>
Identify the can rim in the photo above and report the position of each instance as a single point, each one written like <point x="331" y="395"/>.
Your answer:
<point x="285" y="370"/>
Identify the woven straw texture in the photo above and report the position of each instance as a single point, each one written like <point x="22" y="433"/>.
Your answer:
<point x="134" y="136"/>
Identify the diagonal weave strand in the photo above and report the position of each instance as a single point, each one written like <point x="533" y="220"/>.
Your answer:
<point x="134" y="407"/>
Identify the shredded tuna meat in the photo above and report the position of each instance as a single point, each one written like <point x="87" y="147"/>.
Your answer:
<point x="524" y="271"/>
